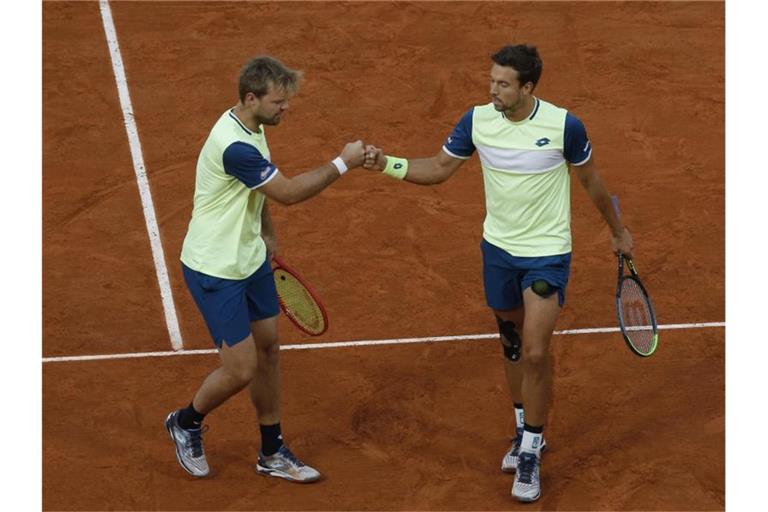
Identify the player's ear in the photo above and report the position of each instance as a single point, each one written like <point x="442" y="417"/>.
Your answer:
<point x="251" y="99"/>
<point x="528" y="88"/>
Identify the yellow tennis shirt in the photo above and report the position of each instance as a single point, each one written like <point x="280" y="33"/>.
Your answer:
<point x="525" y="173"/>
<point x="224" y="235"/>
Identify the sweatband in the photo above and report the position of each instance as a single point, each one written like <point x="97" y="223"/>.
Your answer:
<point x="338" y="162"/>
<point x="396" y="167"/>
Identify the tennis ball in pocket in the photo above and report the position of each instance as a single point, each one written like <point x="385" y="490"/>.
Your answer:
<point x="542" y="288"/>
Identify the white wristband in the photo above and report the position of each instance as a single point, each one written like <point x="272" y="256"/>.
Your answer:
<point x="340" y="165"/>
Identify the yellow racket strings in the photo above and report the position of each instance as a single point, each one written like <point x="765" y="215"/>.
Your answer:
<point x="298" y="303"/>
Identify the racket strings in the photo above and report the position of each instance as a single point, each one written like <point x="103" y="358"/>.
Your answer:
<point x="636" y="315"/>
<point x="298" y="303"/>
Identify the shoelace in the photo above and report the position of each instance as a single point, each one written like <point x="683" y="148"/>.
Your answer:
<point x="526" y="466"/>
<point x="288" y="454"/>
<point x="195" y="441"/>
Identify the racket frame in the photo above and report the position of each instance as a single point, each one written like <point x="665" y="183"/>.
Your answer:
<point x="620" y="309"/>
<point x="280" y="264"/>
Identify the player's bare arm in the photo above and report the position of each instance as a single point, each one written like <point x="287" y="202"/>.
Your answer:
<point x="621" y="239"/>
<point x="288" y="191"/>
<point x="422" y="171"/>
<point x="268" y="230"/>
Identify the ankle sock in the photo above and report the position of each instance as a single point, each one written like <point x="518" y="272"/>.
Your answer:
<point x="519" y="416"/>
<point x="190" y="419"/>
<point x="271" y="439"/>
<point x="532" y="438"/>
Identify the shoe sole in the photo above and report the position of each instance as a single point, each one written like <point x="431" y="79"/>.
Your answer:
<point x="280" y="474"/>
<point x="169" y="428"/>
<point x="514" y="469"/>
<point x="525" y="499"/>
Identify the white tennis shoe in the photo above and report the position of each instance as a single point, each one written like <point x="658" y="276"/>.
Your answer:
<point x="189" y="446"/>
<point x="284" y="464"/>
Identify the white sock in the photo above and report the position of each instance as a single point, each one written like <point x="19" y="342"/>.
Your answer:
<point x="519" y="418"/>
<point x="531" y="442"/>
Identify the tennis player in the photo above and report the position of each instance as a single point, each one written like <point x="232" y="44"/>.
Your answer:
<point x="526" y="148"/>
<point x="226" y="264"/>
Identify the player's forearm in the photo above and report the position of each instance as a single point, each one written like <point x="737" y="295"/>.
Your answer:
<point x="267" y="228"/>
<point x="311" y="183"/>
<point x="424" y="171"/>
<point x="600" y="197"/>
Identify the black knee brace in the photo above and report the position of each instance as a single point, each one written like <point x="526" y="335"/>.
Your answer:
<point x="542" y="288"/>
<point x="510" y="340"/>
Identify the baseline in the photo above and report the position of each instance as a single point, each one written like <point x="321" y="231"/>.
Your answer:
<point x="363" y="343"/>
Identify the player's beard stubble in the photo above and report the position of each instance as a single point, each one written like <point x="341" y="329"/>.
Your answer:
<point x="269" y="121"/>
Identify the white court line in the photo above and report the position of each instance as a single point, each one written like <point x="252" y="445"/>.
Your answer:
<point x="362" y="343"/>
<point x="141" y="178"/>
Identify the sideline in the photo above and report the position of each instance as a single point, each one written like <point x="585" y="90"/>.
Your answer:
<point x="141" y="178"/>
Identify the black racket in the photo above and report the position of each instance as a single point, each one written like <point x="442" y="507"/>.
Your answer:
<point x="634" y="309"/>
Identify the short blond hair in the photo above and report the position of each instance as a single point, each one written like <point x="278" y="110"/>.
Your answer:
<point x="261" y="72"/>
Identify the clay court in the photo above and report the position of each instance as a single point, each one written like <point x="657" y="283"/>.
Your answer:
<point x="419" y="426"/>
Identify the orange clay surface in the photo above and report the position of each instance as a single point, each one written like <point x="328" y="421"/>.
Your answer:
<point x="408" y="427"/>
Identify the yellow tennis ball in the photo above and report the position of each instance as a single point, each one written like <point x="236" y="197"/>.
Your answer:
<point x="541" y="287"/>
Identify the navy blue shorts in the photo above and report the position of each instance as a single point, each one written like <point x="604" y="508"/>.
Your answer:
<point x="506" y="276"/>
<point x="230" y="305"/>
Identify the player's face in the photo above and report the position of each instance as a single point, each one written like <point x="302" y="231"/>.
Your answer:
<point x="507" y="94"/>
<point x="272" y="106"/>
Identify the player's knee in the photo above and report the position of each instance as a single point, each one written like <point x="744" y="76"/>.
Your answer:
<point x="510" y="339"/>
<point x="535" y="355"/>
<point x="242" y="374"/>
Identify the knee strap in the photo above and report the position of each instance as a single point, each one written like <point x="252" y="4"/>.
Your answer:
<point x="510" y="340"/>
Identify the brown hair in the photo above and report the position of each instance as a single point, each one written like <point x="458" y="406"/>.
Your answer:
<point x="261" y="72"/>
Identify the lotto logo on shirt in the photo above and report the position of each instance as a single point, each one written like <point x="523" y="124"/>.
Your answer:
<point x="543" y="141"/>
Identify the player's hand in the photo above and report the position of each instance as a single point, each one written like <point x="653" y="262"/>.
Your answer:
<point x="353" y="154"/>
<point x="623" y="244"/>
<point x="374" y="158"/>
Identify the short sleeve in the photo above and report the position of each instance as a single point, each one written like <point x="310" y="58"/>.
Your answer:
<point x="576" y="148"/>
<point x="247" y="164"/>
<point x="459" y="144"/>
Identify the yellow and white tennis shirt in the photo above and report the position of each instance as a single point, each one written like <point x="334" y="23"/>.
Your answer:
<point x="525" y="170"/>
<point x="224" y="235"/>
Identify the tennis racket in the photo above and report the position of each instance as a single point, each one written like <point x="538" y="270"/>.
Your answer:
<point x="634" y="309"/>
<point x="298" y="301"/>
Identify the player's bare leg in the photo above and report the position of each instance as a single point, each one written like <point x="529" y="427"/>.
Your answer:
<point x="275" y="459"/>
<point x="513" y="371"/>
<point x="185" y="425"/>
<point x="265" y="389"/>
<point x="540" y="317"/>
<point x="237" y="370"/>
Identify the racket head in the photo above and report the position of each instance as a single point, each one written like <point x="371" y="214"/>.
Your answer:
<point x="637" y="318"/>
<point x="298" y="300"/>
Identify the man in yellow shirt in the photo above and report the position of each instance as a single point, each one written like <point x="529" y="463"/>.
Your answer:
<point x="528" y="148"/>
<point x="226" y="264"/>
